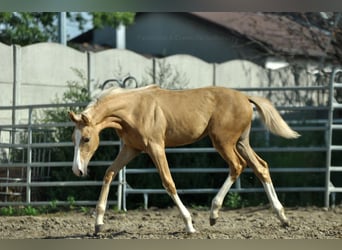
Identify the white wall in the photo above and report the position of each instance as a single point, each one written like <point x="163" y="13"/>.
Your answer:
<point x="40" y="72"/>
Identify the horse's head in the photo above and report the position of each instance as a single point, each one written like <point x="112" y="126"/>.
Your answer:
<point x="86" y="141"/>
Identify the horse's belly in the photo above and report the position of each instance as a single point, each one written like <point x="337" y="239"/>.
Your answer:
<point x="178" y="137"/>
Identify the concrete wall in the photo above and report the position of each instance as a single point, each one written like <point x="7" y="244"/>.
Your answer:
<point x="6" y="80"/>
<point x="36" y="74"/>
<point x="45" y="69"/>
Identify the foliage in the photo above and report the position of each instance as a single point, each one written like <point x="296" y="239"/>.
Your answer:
<point x="25" y="28"/>
<point x="30" y="211"/>
<point x="51" y="208"/>
<point x="233" y="200"/>
<point x="112" y="19"/>
<point x="15" y="211"/>
<point x="166" y="76"/>
<point x="8" y="211"/>
<point x="71" y="201"/>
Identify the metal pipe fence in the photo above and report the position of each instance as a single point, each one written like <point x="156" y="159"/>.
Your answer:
<point x="237" y="186"/>
<point x="316" y="125"/>
<point x="27" y="181"/>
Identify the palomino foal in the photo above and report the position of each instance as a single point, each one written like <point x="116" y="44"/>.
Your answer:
<point x="149" y="119"/>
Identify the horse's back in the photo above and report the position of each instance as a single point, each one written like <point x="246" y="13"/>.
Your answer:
<point x="189" y="115"/>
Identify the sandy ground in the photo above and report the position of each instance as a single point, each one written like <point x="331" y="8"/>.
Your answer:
<point x="246" y="223"/>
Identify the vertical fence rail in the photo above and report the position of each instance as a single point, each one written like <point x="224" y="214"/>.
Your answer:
<point x="29" y="157"/>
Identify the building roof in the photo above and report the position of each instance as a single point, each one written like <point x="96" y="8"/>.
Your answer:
<point x="275" y="32"/>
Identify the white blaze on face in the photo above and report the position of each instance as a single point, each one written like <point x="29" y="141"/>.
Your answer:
<point x="78" y="166"/>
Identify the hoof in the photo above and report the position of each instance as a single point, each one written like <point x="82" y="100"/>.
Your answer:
<point x="212" y="221"/>
<point x="285" y="223"/>
<point x="99" y="228"/>
<point x="193" y="231"/>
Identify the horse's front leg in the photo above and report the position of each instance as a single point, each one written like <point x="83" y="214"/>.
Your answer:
<point x="157" y="154"/>
<point x="124" y="157"/>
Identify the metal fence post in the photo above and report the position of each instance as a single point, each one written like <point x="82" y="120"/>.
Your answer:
<point x="120" y="185"/>
<point x="328" y="141"/>
<point x="29" y="157"/>
<point x="122" y="173"/>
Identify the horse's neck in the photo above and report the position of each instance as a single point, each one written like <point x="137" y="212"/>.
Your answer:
<point x="105" y="109"/>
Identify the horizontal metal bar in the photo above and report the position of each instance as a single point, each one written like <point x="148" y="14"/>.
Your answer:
<point x="33" y="164"/>
<point x="37" y="127"/>
<point x="308" y="128"/>
<point x="56" y="184"/>
<point x="169" y="150"/>
<point x="10" y="193"/>
<point x="54" y="144"/>
<point x="186" y="150"/>
<point x="335" y="168"/>
<point x="40" y="106"/>
<point x="254" y="129"/>
<point x="337" y="85"/>
<point x="335" y="189"/>
<point x="336" y="147"/>
<point x="257" y="149"/>
<point x="337" y="105"/>
<point x="57" y="203"/>
<point x="50" y="164"/>
<point x="191" y="150"/>
<point x="290" y="149"/>
<point x="336" y="126"/>
<point x="223" y="170"/>
<point x="284" y="88"/>
<point x="215" y="190"/>
<point x="10" y="179"/>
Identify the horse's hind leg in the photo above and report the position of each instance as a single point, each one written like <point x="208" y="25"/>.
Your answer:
<point x="261" y="170"/>
<point x="236" y="163"/>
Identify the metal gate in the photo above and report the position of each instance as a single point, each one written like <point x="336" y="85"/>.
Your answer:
<point x="34" y="172"/>
<point x="334" y="125"/>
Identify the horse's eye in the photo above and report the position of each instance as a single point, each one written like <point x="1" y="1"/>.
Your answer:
<point x="86" y="139"/>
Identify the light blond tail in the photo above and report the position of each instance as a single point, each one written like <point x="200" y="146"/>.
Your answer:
<point x="272" y="119"/>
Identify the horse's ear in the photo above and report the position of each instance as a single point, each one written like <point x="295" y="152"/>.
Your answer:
<point x="85" y="119"/>
<point x="73" y="117"/>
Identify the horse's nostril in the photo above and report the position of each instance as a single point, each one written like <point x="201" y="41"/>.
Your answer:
<point x="81" y="173"/>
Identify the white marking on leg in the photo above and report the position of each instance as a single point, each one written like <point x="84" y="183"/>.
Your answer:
<point x="273" y="198"/>
<point x="185" y="213"/>
<point x="100" y="210"/>
<point x="218" y="200"/>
